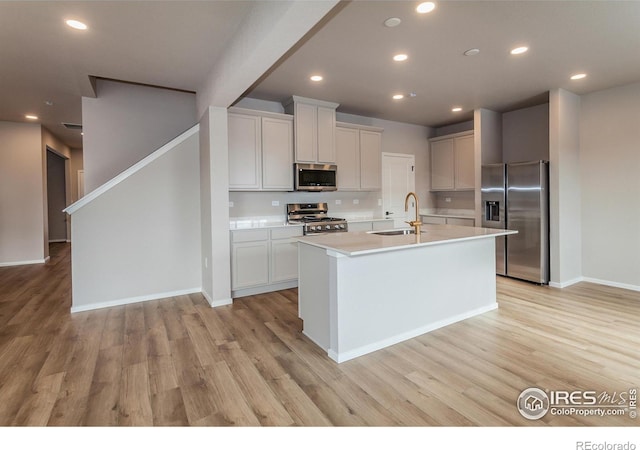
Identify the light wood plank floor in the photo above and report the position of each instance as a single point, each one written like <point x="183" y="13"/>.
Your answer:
<point x="179" y="362"/>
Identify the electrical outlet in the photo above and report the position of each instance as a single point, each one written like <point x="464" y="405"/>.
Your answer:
<point x="338" y="202"/>
<point x="447" y="199"/>
<point x="275" y="203"/>
<point x="356" y="201"/>
<point x="230" y="204"/>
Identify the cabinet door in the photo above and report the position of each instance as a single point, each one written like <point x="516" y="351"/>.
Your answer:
<point x="245" y="166"/>
<point x="326" y="128"/>
<point x="348" y="158"/>
<point x="442" y="169"/>
<point x="370" y="160"/>
<point x="464" y="162"/>
<point x="250" y="264"/>
<point x="277" y="154"/>
<point x="284" y="260"/>
<point x="306" y="125"/>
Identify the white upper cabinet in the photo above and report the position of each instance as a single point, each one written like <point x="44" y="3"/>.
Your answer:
<point x="359" y="156"/>
<point x="277" y="154"/>
<point x="260" y="151"/>
<point x="314" y="130"/>
<point x="245" y="153"/>
<point x="348" y="158"/>
<point x="452" y="162"/>
<point x="370" y="160"/>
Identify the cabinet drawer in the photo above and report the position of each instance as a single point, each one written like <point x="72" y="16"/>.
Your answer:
<point x="249" y="235"/>
<point x="461" y="222"/>
<point x="286" y="233"/>
<point x="434" y="220"/>
<point x="382" y="225"/>
<point x="359" y="226"/>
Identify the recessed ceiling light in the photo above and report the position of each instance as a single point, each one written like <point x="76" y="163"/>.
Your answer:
<point x="48" y="102"/>
<point x="398" y="97"/>
<point x="426" y="7"/>
<point x="519" y="50"/>
<point x="472" y="52"/>
<point x="400" y="57"/>
<point x="31" y="117"/>
<point x="316" y="78"/>
<point x="579" y="76"/>
<point x="456" y="109"/>
<point x="76" y="24"/>
<point x="392" y="22"/>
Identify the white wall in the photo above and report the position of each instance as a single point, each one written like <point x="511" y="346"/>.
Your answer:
<point x="564" y="188"/>
<point x="22" y="187"/>
<point x="127" y="122"/>
<point x="525" y="134"/>
<point x="610" y="185"/>
<point x="141" y="239"/>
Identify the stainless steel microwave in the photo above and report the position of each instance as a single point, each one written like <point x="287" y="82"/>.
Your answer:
<point x="315" y="177"/>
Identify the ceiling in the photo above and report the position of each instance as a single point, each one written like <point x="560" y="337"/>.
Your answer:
<point x="163" y="43"/>
<point x="176" y="43"/>
<point x="354" y="50"/>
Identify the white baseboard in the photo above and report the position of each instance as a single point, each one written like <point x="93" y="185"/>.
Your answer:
<point x="24" y="263"/>
<point x="565" y="284"/>
<point x="216" y="303"/>
<point x="263" y="289"/>
<point x="340" y="357"/>
<point x="631" y="287"/>
<point x="127" y="301"/>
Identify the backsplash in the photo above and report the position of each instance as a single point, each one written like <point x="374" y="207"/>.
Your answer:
<point x="350" y="204"/>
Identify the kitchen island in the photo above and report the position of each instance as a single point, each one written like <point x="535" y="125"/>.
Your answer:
<point x="361" y="292"/>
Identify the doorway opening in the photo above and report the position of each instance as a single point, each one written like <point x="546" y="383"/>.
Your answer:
<point x="398" y="179"/>
<point x="56" y="196"/>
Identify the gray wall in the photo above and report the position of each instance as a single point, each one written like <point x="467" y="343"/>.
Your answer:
<point x="525" y="134"/>
<point x="141" y="239"/>
<point x="21" y="194"/>
<point x="610" y="185"/>
<point x="127" y="122"/>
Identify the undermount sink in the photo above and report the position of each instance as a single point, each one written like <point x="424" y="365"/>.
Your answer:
<point x="395" y="232"/>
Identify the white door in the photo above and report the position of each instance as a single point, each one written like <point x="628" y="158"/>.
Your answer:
<point x="398" y="179"/>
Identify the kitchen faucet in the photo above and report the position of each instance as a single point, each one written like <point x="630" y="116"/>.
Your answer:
<point x="414" y="223"/>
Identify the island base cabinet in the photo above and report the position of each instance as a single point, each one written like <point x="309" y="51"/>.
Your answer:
<point x="354" y="305"/>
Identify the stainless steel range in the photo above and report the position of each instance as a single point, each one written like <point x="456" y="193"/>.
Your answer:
<point x="315" y="219"/>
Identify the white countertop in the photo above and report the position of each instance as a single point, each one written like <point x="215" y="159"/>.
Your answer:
<point x="363" y="243"/>
<point x="241" y="223"/>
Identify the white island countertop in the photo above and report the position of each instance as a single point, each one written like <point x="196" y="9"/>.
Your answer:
<point x="364" y="243"/>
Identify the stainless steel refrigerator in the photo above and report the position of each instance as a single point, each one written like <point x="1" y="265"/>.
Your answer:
<point x="516" y="197"/>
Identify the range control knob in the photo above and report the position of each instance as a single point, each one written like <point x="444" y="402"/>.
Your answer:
<point x="337" y="227"/>
<point x="327" y="227"/>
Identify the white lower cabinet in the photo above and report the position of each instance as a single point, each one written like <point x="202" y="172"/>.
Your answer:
<point x="442" y="220"/>
<point x="264" y="260"/>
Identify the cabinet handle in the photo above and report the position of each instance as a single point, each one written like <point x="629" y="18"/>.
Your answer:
<point x="388" y="213"/>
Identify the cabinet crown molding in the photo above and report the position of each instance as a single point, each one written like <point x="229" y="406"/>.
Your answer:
<point x="310" y="101"/>
<point x="257" y="112"/>
<point x="452" y="135"/>
<point x="359" y="127"/>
